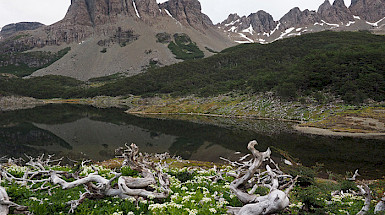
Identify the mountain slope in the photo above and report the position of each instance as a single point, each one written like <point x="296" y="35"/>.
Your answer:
<point x="118" y="36"/>
<point x="349" y="64"/>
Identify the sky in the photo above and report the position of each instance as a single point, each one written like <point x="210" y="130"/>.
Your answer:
<point x="51" y="11"/>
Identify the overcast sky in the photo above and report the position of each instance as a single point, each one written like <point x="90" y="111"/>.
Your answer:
<point x="50" y="11"/>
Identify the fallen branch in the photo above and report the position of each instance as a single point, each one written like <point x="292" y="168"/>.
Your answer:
<point x="380" y="207"/>
<point x="96" y="186"/>
<point x="250" y="176"/>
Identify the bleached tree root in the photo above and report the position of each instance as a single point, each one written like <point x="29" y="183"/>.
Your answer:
<point x="154" y="184"/>
<point x="380" y="207"/>
<point x="5" y="204"/>
<point x="249" y="176"/>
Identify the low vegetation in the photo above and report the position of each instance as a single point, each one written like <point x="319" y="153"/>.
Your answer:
<point x="163" y="37"/>
<point x="49" y="86"/>
<point x="193" y="190"/>
<point x="25" y="63"/>
<point x="347" y="65"/>
<point x="185" y="49"/>
<point x="362" y="120"/>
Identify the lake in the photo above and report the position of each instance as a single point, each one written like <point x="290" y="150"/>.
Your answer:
<point x="78" y="132"/>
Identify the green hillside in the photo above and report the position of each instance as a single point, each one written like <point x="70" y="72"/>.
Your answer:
<point x="350" y="64"/>
<point x="347" y="64"/>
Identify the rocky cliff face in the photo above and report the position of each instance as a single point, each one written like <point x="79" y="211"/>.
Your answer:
<point x="262" y="22"/>
<point x="369" y="10"/>
<point x="111" y="36"/>
<point x="297" y="18"/>
<point x="255" y="23"/>
<point x="11" y="29"/>
<point x="188" y="12"/>
<point x="337" y="13"/>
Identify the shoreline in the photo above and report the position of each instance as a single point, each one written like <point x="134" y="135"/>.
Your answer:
<point x="214" y="115"/>
<point x="328" y="132"/>
<point x="10" y="103"/>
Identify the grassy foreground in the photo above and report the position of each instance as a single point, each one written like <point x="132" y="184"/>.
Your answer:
<point x="193" y="192"/>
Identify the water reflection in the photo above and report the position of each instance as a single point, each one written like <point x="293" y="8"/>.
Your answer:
<point x="80" y="131"/>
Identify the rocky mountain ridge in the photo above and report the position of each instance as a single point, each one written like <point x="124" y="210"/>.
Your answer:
<point x="120" y="36"/>
<point x="13" y="28"/>
<point x="117" y="36"/>
<point x="261" y="27"/>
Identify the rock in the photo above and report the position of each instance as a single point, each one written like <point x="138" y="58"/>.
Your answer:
<point x="336" y="14"/>
<point x="369" y="10"/>
<point x="297" y="18"/>
<point x="262" y="22"/>
<point x="11" y="29"/>
<point x="147" y="8"/>
<point x="188" y="12"/>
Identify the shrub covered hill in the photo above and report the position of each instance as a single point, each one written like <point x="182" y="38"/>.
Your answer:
<point x="347" y="64"/>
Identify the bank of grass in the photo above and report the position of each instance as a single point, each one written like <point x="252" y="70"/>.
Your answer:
<point x="355" y="120"/>
<point x="193" y="192"/>
<point x="264" y="106"/>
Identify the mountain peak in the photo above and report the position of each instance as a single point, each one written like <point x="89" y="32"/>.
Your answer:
<point x="296" y="18"/>
<point x="324" y="7"/>
<point x="337" y="13"/>
<point x="370" y="10"/>
<point x="187" y="12"/>
<point x="339" y="3"/>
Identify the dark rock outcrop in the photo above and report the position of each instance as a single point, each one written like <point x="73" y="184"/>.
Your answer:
<point x="369" y="10"/>
<point x="297" y="18"/>
<point x="262" y="22"/>
<point x="11" y="29"/>
<point x="337" y="13"/>
<point x="147" y="8"/>
<point x="188" y="12"/>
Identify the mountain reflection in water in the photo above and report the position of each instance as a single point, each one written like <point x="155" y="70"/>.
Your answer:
<point x="78" y="132"/>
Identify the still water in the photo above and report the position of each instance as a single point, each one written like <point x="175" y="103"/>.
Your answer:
<point x="78" y="132"/>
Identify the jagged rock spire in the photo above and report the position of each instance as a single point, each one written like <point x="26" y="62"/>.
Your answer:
<point x="370" y="10"/>
<point x="187" y="12"/>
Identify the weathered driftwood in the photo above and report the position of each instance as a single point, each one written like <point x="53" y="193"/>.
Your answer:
<point x="380" y="207"/>
<point x="5" y="204"/>
<point x="4" y="201"/>
<point x="365" y="191"/>
<point x="95" y="185"/>
<point x="248" y="175"/>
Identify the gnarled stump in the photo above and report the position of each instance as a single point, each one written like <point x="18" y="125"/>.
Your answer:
<point x="249" y="176"/>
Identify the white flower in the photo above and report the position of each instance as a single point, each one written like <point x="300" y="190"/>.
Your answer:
<point x="212" y="210"/>
<point x="192" y="211"/>
<point x="205" y="200"/>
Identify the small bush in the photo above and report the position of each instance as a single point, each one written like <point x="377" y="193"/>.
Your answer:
<point x="163" y="38"/>
<point x="306" y="175"/>
<point x="346" y="185"/>
<point x="183" y="48"/>
<point x="127" y="171"/>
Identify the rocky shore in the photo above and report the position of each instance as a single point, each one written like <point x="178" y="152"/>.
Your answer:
<point x="9" y="103"/>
